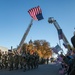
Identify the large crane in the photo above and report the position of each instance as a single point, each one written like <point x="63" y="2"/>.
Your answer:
<point x="52" y="20"/>
<point x="24" y="37"/>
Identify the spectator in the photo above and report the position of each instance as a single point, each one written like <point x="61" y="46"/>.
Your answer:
<point x="73" y="40"/>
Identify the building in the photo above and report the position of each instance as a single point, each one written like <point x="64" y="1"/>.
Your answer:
<point x="3" y="49"/>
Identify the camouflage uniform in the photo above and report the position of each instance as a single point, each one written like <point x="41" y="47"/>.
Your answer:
<point x="21" y="61"/>
<point x="0" y="60"/>
<point x="28" y="60"/>
<point x="5" y="60"/>
<point x="36" y="60"/>
<point x="16" y="61"/>
<point x="10" y="61"/>
<point x="24" y="63"/>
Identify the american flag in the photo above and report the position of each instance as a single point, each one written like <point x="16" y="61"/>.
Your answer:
<point x="36" y="13"/>
<point x="60" y="34"/>
<point x="56" y="49"/>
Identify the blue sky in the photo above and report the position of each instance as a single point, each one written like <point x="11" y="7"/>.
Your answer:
<point x="14" y="20"/>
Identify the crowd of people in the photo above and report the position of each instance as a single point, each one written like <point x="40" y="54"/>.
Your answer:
<point x="68" y="60"/>
<point x="68" y="63"/>
<point x="25" y="61"/>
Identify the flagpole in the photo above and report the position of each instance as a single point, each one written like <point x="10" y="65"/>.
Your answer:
<point x="24" y="37"/>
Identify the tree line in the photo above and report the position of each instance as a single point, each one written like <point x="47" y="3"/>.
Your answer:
<point x="42" y="47"/>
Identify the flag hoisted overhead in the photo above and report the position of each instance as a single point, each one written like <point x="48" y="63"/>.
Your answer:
<point x="60" y="34"/>
<point x="36" y="13"/>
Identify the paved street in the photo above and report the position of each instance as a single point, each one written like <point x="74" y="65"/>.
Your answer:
<point x="50" y="69"/>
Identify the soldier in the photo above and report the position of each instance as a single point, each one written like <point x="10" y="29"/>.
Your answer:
<point x="24" y="62"/>
<point x="21" y="61"/>
<point x="6" y="60"/>
<point x="36" y="60"/>
<point x="73" y="40"/>
<point x="0" y="60"/>
<point x="31" y="61"/>
<point x="47" y="60"/>
<point x="16" y="60"/>
<point x="10" y="61"/>
<point x="28" y="60"/>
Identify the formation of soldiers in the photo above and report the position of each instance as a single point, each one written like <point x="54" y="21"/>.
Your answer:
<point x="25" y="61"/>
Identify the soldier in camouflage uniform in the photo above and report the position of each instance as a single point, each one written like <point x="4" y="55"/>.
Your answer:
<point x="24" y="60"/>
<point x="32" y="60"/>
<point x="21" y="61"/>
<point x="10" y="61"/>
<point x="0" y="60"/>
<point x="36" y="58"/>
<point x="28" y="60"/>
<point x="16" y="60"/>
<point x="5" y="60"/>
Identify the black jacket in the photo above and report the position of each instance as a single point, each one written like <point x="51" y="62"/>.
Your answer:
<point x="73" y="41"/>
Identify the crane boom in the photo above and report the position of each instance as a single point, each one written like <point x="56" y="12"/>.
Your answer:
<point x="24" y="36"/>
<point x="52" y="20"/>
